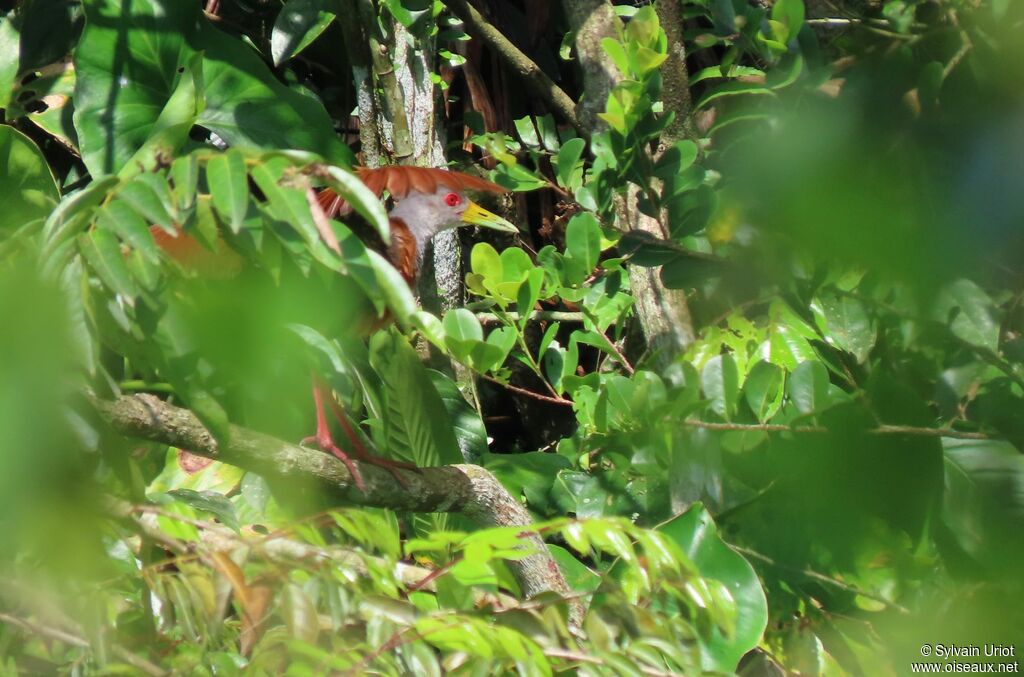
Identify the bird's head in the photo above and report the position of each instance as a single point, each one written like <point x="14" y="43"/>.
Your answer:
<point x="444" y="209"/>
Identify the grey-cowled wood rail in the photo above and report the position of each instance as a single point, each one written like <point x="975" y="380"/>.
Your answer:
<point x="424" y="202"/>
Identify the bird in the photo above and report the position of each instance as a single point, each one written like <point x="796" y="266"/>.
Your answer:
<point x="423" y="202"/>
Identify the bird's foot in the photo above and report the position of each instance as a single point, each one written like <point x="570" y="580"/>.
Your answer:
<point x="326" y="444"/>
<point x="324" y="441"/>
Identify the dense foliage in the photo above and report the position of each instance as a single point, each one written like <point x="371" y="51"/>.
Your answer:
<point x="826" y="478"/>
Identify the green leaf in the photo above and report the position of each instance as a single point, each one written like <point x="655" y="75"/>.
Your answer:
<point x="290" y="206"/>
<point x="119" y="217"/>
<point x="695" y="532"/>
<point x="417" y="425"/>
<point x="28" y="189"/>
<point x="130" y="59"/>
<point x="102" y="251"/>
<point x="845" y="324"/>
<point x="485" y="261"/>
<point x="297" y="25"/>
<point x="150" y="196"/>
<point x="10" y="54"/>
<point x="348" y="186"/>
<point x="974" y="315"/>
<point x="580" y="578"/>
<point x="463" y="325"/>
<point x="789" y="13"/>
<point x="415" y="15"/>
<point x="566" y="163"/>
<point x="229" y="187"/>
<point x="583" y="241"/>
<point x="171" y="129"/>
<point x="808" y="386"/>
<point x="983" y="503"/>
<point x="763" y="390"/>
<point x="212" y="502"/>
<point x="518" y="178"/>
<point x="185" y="175"/>
<point x="720" y="380"/>
<point x="527" y="132"/>
<point x="468" y="426"/>
<point x="393" y="286"/>
<point x="548" y="132"/>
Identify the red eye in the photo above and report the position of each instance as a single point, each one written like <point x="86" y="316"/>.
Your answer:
<point x="452" y="199"/>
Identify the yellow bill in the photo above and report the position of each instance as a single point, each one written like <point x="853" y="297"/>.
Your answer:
<point x="475" y="215"/>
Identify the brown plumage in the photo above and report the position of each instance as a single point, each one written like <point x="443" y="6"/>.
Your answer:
<point x="400" y="180"/>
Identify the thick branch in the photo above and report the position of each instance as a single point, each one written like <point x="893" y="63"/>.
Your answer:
<point x="466" y="489"/>
<point x="539" y="83"/>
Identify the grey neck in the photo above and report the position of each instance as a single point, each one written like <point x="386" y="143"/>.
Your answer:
<point x="421" y="221"/>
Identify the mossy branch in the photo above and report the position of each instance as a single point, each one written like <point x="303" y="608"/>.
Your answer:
<point x="466" y="489"/>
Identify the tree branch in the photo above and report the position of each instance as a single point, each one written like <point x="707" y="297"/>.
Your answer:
<point x="539" y="83"/>
<point x="466" y="489"/>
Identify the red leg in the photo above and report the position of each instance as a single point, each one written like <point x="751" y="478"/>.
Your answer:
<point x="325" y="441"/>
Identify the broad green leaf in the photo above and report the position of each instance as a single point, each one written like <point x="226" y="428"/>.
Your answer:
<point x="120" y="218"/>
<point x="468" y="426"/>
<point x="974" y="314"/>
<point x="185" y="175"/>
<point x="527" y="132"/>
<point x="102" y="251"/>
<point x="763" y="390"/>
<point x="395" y="289"/>
<point x="28" y="190"/>
<point x="583" y="241"/>
<point x="566" y="163"/>
<point x="300" y="614"/>
<point x="983" y="502"/>
<point x="150" y="196"/>
<point x="548" y="132"/>
<point x="731" y="72"/>
<point x="463" y="325"/>
<point x="789" y="13"/>
<point x="297" y="25"/>
<point x="485" y="261"/>
<point x="229" y="187"/>
<point x="808" y="386"/>
<point x="845" y="323"/>
<point x="211" y="502"/>
<point x="10" y="42"/>
<point x="170" y="130"/>
<point x="721" y="383"/>
<point x="731" y="89"/>
<point x="696" y="533"/>
<point x="415" y="15"/>
<point x="130" y="59"/>
<point x="518" y="178"/>
<point x="347" y="185"/>
<point x="418" y="427"/>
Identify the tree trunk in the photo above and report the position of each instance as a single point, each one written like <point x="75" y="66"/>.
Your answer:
<point x="663" y="313"/>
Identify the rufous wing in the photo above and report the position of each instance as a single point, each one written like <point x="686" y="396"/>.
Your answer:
<point x="400" y="180"/>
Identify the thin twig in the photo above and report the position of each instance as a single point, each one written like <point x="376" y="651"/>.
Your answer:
<point x="578" y="657"/>
<point x="817" y="429"/>
<point x="535" y="316"/>
<point x="821" y="578"/>
<point x="528" y="393"/>
<point x="134" y="660"/>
